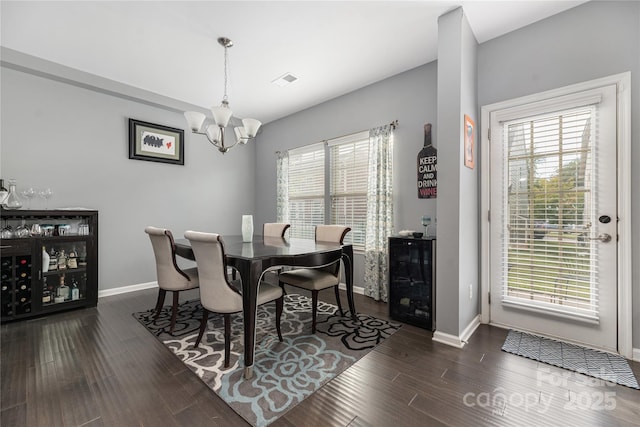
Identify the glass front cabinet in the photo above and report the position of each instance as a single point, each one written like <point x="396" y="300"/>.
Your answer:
<point x="412" y="281"/>
<point x="49" y="261"/>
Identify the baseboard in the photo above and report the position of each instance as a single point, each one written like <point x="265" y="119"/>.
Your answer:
<point x="470" y="329"/>
<point x="458" y="341"/>
<point x="356" y="289"/>
<point x="636" y="354"/>
<point x="448" y="339"/>
<point x="149" y="285"/>
<point x="127" y="289"/>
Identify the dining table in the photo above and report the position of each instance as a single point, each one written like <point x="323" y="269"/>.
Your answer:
<point x="253" y="259"/>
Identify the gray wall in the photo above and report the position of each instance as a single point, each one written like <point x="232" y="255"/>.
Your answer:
<point x="75" y="140"/>
<point x="408" y="97"/>
<point x="593" y="40"/>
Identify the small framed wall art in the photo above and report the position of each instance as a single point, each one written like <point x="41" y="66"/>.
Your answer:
<point x="469" y="142"/>
<point x="155" y="143"/>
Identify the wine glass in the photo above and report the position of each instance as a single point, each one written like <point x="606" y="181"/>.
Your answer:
<point x="426" y="220"/>
<point x="28" y="194"/>
<point x="46" y="194"/>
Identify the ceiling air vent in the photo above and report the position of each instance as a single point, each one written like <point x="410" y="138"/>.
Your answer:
<point x="285" y="79"/>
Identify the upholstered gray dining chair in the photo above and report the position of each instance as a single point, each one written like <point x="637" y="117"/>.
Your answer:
<point x="216" y="293"/>
<point x="274" y="229"/>
<point x="170" y="276"/>
<point x="317" y="279"/>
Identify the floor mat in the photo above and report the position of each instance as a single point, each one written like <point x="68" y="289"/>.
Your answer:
<point x="597" y="364"/>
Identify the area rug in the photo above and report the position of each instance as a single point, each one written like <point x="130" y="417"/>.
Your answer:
<point x="285" y="372"/>
<point x="597" y="364"/>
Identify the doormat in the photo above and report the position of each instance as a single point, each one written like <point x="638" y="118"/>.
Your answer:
<point x="284" y="373"/>
<point x="594" y="363"/>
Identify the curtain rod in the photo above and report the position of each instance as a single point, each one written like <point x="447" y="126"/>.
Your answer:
<point x="394" y="124"/>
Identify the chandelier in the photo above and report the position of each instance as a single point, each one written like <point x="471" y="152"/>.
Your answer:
<point x="215" y="132"/>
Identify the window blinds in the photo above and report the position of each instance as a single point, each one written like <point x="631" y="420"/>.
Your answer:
<point x="548" y="261"/>
<point x="306" y="190"/>
<point x="348" y="185"/>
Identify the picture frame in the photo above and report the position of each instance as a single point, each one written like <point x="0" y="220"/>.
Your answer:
<point x="469" y="142"/>
<point x="155" y="143"/>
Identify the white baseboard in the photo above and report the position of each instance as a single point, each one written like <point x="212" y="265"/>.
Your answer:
<point x="458" y="341"/>
<point x="127" y="289"/>
<point x="636" y="354"/>
<point x="149" y="285"/>
<point x="356" y="289"/>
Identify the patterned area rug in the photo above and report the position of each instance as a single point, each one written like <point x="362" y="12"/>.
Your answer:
<point x="597" y="364"/>
<point x="285" y="372"/>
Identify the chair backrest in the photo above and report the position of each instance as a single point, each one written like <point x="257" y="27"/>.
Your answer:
<point x="274" y="229"/>
<point x="331" y="233"/>
<point x="170" y="276"/>
<point x="216" y="294"/>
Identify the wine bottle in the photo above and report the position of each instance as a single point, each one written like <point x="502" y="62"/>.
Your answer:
<point x="63" y="290"/>
<point x="53" y="260"/>
<point x="62" y="260"/>
<point x="46" y="293"/>
<point x="75" y="291"/>
<point x="72" y="261"/>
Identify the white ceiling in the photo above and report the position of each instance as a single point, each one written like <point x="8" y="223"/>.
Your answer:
<point x="170" y="48"/>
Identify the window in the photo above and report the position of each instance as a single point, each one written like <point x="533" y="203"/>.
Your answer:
<point x="349" y="166"/>
<point x="306" y="190"/>
<point x="340" y="197"/>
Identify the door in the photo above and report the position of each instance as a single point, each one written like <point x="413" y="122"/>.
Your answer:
<point x="553" y="230"/>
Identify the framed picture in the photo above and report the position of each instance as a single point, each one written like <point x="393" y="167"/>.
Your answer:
<point x="469" y="142"/>
<point x="155" y="143"/>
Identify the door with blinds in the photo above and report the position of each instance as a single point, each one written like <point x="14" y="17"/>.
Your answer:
<point x="554" y="219"/>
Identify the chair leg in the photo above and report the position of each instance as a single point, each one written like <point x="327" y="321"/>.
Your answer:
<point x="227" y="339"/>
<point x="174" y="310"/>
<point x="284" y="291"/>
<point x="203" y="325"/>
<point x="335" y="288"/>
<point x="279" y="307"/>
<point x="314" y="310"/>
<point x="162" y="293"/>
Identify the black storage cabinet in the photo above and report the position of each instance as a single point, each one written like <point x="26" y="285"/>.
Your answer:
<point x="412" y="280"/>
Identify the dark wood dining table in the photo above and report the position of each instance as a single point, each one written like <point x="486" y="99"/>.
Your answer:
<point x="253" y="259"/>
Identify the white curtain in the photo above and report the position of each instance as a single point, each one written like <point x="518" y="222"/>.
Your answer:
<point x="282" y="187"/>
<point x="379" y="211"/>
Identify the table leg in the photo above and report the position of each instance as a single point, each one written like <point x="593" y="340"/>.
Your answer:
<point x="347" y="260"/>
<point x="250" y="272"/>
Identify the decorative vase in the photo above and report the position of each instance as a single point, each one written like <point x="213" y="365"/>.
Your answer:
<point x="247" y="228"/>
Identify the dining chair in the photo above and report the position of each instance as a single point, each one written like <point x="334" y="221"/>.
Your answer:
<point x="170" y="277"/>
<point x="274" y="229"/>
<point x="217" y="295"/>
<point x="317" y="279"/>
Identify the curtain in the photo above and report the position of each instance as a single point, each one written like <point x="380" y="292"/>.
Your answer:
<point x="379" y="211"/>
<point x="282" y="187"/>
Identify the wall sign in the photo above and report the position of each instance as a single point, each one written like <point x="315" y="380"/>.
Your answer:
<point x="427" y="168"/>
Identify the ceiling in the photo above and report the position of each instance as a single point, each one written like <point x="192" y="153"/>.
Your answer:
<point x="170" y="48"/>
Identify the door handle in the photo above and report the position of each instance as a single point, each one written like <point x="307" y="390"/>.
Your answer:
<point x="603" y="237"/>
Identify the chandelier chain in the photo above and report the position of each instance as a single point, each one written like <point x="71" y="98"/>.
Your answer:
<point x="226" y="68"/>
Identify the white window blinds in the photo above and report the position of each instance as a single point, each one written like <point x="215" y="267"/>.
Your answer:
<point x="306" y="190"/>
<point x="549" y="200"/>
<point x="349" y="161"/>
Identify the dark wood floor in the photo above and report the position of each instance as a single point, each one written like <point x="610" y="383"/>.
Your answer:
<point x="100" y="367"/>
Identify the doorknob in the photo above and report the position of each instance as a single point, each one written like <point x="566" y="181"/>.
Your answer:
<point x="604" y="237"/>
